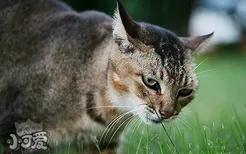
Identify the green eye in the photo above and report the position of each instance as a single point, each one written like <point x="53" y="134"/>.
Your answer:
<point x="151" y="83"/>
<point x="185" y="92"/>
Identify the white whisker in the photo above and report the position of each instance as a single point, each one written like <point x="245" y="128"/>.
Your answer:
<point x="155" y="136"/>
<point x="177" y="127"/>
<point x="118" y="129"/>
<point x="202" y="76"/>
<point x="130" y="121"/>
<point x="109" y="107"/>
<point x="173" y="126"/>
<point x="185" y="123"/>
<point x="118" y="120"/>
<point x="109" y="126"/>
<point x="139" y="124"/>
<point x="201" y="63"/>
<point x="206" y="71"/>
<point x="113" y="123"/>
<point x="136" y="128"/>
<point x="186" y="112"/>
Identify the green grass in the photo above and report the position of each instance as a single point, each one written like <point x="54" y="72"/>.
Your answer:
<point x="213" y="123"/>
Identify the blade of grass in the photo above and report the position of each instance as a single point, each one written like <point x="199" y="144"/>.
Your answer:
<point x="147" y="138"/>
<point x="237" y="116"/>
<point x="206" y="139"/>
<point x="139" y="143"/>
<point x="240" y="134"/>
<point x="164" y="128"/>
<point x="98" y="147"/>
<point x="68" y="149"/>
<point x="222" y="138"/>
<point x="159" y="143"/>
<point x="133" y="132"/>
<point x="56" y="148"/>
<point x="181" y="133"/>
<point x="239" y="127"/>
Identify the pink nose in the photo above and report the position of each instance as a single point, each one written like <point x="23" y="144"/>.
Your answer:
<point x="165" y="114"/>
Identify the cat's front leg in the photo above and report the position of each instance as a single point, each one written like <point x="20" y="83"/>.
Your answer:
<point x="102" y="151"/>
<point x="112" y="148"/>
<point x="109" y="151"/>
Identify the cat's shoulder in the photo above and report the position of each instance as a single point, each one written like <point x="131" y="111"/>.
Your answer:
<point x="96" y="16"/>
<point x="49" y="12"/>
<point x="28" y="4"/>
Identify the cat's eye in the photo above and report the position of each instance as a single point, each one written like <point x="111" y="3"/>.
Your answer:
<point x="151" y="83"/>
<point x="185" y="92"/>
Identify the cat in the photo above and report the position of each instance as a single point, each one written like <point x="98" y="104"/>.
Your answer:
<point x="27" y="127"/>
<point x="76" y="72"/>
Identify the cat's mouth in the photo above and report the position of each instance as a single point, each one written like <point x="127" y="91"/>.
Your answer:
<point x="153" y="116"/>
<point x="159" y="120"/>
<point x="155" y="121"/>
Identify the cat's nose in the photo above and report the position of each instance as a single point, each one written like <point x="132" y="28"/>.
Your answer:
<point x="165" y="114"/>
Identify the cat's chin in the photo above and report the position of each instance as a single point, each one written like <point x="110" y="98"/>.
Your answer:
<point x="157" y="120"/>
<point x="154" y="121"/>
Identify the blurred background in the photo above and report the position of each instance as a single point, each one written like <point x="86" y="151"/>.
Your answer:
<point x="194" y="17"/>
<point x="215" y="121"/>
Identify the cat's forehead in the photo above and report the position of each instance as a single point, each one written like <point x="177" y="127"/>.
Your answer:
<point x="166" y="44"/>
<point x="169" y="51"/>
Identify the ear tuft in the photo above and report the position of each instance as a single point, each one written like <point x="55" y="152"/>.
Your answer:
<point x="197" y="43"/>
<point x="119" y="32"/>
<point x="124" y="29"/>
<point x="129" y="24"/>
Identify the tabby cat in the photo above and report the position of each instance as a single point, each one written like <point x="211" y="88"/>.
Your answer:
<point x="76" y="72"/>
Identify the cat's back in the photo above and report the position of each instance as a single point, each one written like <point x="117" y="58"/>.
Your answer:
<point x="32" y="29"/>
<point x="21" y="12"/>
<point x="45" y="42"/>
<point x="45" y="50"/>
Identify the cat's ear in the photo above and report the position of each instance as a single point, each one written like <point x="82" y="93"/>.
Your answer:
<point x="29" y="122"/>
<point x="16" y="124"/>
<point x="197" y="43"/>
<point x="125" y="29"/>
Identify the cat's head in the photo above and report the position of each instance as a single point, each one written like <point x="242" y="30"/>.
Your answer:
<point x="27" y="128"/>
<point x="151" y="74"/>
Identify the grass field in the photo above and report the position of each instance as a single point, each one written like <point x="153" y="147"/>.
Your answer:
<point x="213" y="123"/>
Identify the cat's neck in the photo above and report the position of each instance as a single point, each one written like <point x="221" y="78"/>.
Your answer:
<point x="100" y="100"/>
